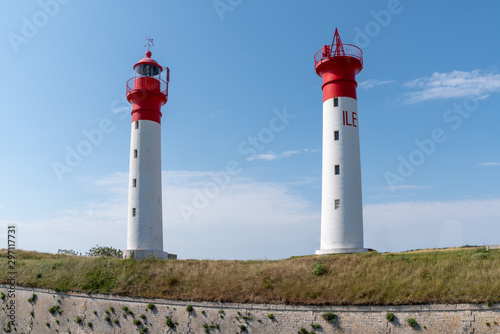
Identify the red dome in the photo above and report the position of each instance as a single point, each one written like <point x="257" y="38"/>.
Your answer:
<point x="148" y="60"/>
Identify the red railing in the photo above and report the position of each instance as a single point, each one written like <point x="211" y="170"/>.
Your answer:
<point x="162" y="85"/>
<point x="343" y="50"/>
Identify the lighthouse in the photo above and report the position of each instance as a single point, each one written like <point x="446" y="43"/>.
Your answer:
<point x="147" y="91"/>
<point x="341" y="204"/>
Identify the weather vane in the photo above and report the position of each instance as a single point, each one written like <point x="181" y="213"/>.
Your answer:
<point x="149" y="42"/>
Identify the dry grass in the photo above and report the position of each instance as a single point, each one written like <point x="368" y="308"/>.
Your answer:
<point x="464" y="275"/>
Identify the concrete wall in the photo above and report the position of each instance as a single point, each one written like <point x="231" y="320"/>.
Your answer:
<point x="464" y="318"/>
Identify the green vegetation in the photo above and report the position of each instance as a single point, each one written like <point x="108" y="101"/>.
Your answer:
<point x="78" y="320"/>
<point x="319" y="269"/>
<point x="390" y="316"/>
<point x="270" y="316"/>
<point x="54" y="309"/>
<point x="316" y="326"/>
<point x="170" y="323"/>
<point x="463" y="275"/>
<point x="330" y="317"/>
<point x="411" y="322"/>
<point x="189" y="308"/>
<point x="151" y="306"/>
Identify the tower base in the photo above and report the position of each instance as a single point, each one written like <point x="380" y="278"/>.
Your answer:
<point x="142" y="254"/>
<point x="341" y="251"/>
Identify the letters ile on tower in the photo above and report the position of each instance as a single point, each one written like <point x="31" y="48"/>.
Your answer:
<point x="341" y="202"/>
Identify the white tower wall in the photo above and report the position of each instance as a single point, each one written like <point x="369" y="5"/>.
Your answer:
<point x="341" y="206"/>
<point x="145" y="229"/>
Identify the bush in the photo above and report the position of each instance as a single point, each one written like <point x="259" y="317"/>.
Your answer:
<point x="78" y="320"/>
<point x="316" y="326"/>
<point x="330" y="317"/>
<point x="389" y="317"/>
<point x="270" y="316"/>
<point x="170" y="323"/>
<point x="67" y="252"/>
<point x="411" y="322"/>
<point x="302" y="331"/>
<point x="107" y="318"/>
<point x="136" y="322"/>
<point x="319" y="269"/>
<point x="189" y="308"/>
<point x="54" y="309"/>
<point x="142" y="316"/>
<point x="100" y="251"/>
<point x="151" y="306"/>
<point x="2" y="295"/>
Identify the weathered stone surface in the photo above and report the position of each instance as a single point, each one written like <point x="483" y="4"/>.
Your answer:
<point x="463" y="318"/>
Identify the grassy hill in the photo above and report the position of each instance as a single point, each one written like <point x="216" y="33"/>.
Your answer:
<point x="461" y="275"/>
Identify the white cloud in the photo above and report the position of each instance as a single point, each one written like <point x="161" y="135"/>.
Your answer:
<point x="270" y="156"/>
<point x="371" y="83"/>
<point x="407" y="187"/>
<point x="414" y="225"/>
<point x="490" y="164"/>
<point x="456" y="84"/>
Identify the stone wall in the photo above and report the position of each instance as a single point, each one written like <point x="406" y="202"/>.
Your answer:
<point x="34" y="316"/>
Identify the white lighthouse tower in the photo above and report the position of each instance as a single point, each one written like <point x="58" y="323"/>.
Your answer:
<point x="341" y="203"/>
<point x="148" y="92"/>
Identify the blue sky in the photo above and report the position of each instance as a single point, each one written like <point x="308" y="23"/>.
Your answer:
<point x="428" y="101"/>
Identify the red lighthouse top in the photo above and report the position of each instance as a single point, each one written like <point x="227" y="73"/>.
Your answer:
<point x="148" y="89"/>
<point x="338" y="65"/>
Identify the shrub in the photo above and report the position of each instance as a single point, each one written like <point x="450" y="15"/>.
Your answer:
<point x="54" y="309"/>
<point x="136" y="322"/>
<point x="302" y="331"/>
<point x="116" y="321"/>
<point x="151" y="306"/>
<point x="111" y="308"/>
<point x="57" y="322"/>
<point x="330" y="317"/>
<point x="189" y="308"/>
<point x="389" y="317"/>
<point x="39" y="275"/>
<point x="144" y="330"/>
<point x="78" y="320"/>
<point x="203" y="312"/>
<point x="411" y="322"/>
<point x="170" y="323"/>
<point x="142" y="316"/>
<point x="2" y="295"/>
<point x="319" y="269"/>
<point x="100" y="251"/>
<point x="270" y="316"/>
<point x="47" y="324"/>
<point x="89" y="324"/>
<point x="242" y="328"/>
<point x="316" y="326"/>
<point x="67" y="252"/>
<point x="107" y="318"/>
<point x="32" y="298"/>
<point x="125" y="308"/>
<point x="490" y="303"/>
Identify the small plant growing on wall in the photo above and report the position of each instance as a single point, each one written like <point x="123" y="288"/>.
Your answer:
<point x="390" y="316"/>
<point x="189" y="308"/>
<point x="270" y="316"/>
<point x="78" y="320"/>
<point x="170" y="323"/>
<point x="151" y="306"/>
<point x="316" y="326"/>
<point x="411" y="322"/>
<point x="330" y="317"/>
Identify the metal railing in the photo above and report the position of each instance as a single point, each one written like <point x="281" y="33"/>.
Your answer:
<point x="343" y="50"/>
<point x="162" y="87"/>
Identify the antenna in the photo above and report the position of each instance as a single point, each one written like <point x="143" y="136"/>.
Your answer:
<point x="149" y="42"/>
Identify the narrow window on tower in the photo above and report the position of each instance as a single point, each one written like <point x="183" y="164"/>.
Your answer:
<point x="133" y="212"/>
<point x="136" y="124"/>
<point x="337" y="204"/>
<point x="134" y="183"/>
<point x="336" y="135"/>
<point x="337" y="169"/>
<point x="135" y="153"/>
<point x="336" y="102"/>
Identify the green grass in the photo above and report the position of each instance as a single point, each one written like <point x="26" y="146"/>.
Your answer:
<point x="463" y="275"/>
